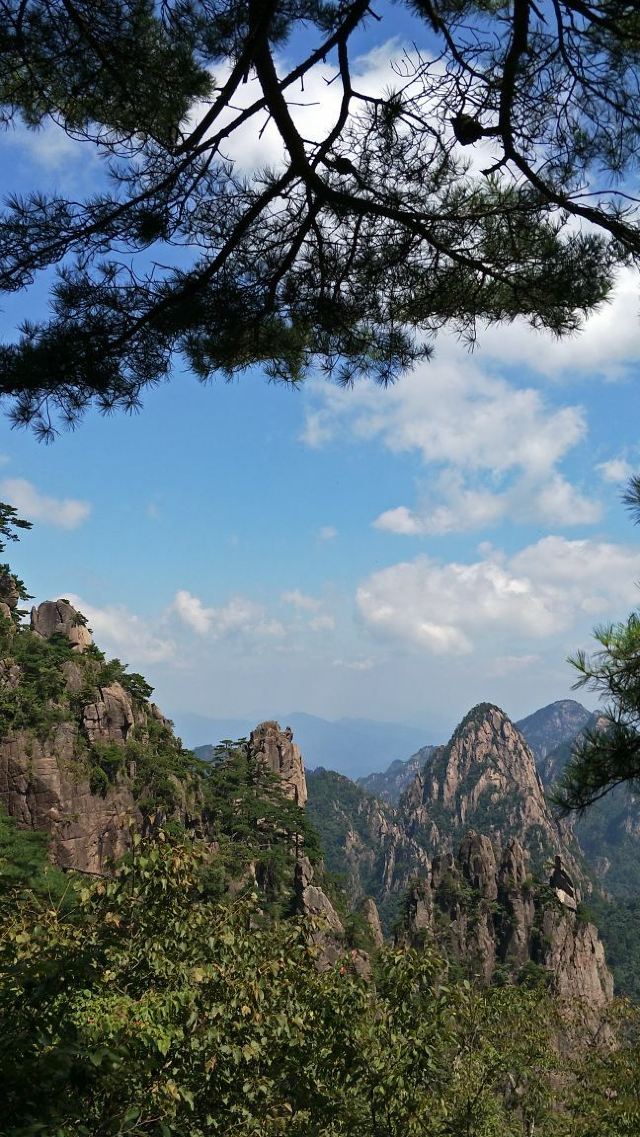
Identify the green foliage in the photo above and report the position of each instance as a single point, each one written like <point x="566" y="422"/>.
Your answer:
<point x="38" y="699"/>
<point x="147" y="1008"/>
<point x="608" y="754"/>
<point x="24" y="863"/>
<point x="336" y="806"/>
<point x="363" y="241"/>
<point x="9" y="522"/>
<point x="618" y="922"/>
<point x="248" y="812"/>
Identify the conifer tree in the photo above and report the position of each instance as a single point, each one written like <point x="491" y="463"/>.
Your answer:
<point x="608" y="755"/>
<point x="363" y="236"/>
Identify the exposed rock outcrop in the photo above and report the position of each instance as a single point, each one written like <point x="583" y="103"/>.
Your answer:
<point x="371" y="916"/>
<point x="111" y="717"/>
<point x="9" y="594"/>
<point x="313" y="902"/>
<point x="486" y="779"/>
<point x="277" y="749"/>
<point x="487" y="912"/>
<point x="59" y="617"/>
<point x="51" y="778"/>
<point x="44" y="786"/>
<point x="311" y="899"/>
<point x="365" y="841"/>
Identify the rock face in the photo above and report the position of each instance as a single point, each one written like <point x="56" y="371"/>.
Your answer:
<point x="371" y="916"/>
<point x="60" y="617"/>
<point x="364" y="841"/>
<point x="45" y="784"/>
<point x="485" y="910"/>
<point x="9" y="594"/>
<point x="313" y="902"/>
<point x="42" y="787"/>
<point x="276" y="748"/>
<point x="111" y="717"/>
<point x="47" y="780"/>
<point x="549" y="727"/>
<point x="486" y="779"/>
<point x="390" y="784"/>
<point x="311" y="899"/>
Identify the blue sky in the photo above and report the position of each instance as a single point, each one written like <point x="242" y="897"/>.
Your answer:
<point x="395" y="555"/>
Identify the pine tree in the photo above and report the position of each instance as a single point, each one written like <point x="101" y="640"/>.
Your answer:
<point x="608" y="755"/>
<point x="362" y="240"/>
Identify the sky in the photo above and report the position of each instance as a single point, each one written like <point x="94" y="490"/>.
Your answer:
<point x="397" y="555"/>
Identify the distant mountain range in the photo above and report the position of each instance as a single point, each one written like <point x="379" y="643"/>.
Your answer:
<point x="491" y="777"/>
<point x="545" y="731"/>
<point x="352" y="746"/>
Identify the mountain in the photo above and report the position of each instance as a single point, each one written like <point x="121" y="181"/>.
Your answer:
<point x="543" y="730"/>
<point x="351" y="746"/>
<point x="87" y="759"/>
<point x="485" y="779"/>
<point x="83" y="750"/>
<point x="471" y="857"/>
<point x="552" y="726"/>
<point x="390" y="784"/>
<point x="496" y="921"/>
<point x="365" y="842"/>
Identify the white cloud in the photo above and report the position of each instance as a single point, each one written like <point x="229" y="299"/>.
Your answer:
<point x="239" y="616"/>
<point x="464" y="509"/>
<point x="300" y="600"/>
<point x="317" y="430"/>
<point x="448" y="609"/>
<point x="64" y="513"/>
<point x="327" y="533"/>
<point x="494" y="447"/>
<point x="615" y="470"/>
<point x="324" y="623"/>
<point x="314" y="107"/>
<point x="553" y="502"/>
<point x="119" y="631"/>
<point x="192" y="612"/>
<point x="452" y="412"/>
<point x="557" y="502"/>
<point x="355" y="664"/>
<point x="50" y="147"/>
<point x="607" y="345"/>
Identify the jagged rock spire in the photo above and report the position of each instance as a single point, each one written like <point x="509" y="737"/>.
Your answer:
<point x="276" y="748"/>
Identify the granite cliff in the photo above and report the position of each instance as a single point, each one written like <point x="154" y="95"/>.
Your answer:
<point x="498" y="922"/>
<point x="485" y="778"/>
<point x="82" y="748"/>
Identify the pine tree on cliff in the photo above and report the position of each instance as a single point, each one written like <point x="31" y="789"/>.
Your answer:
<point x="609" y="754"/>
<point x="352" y="242"/>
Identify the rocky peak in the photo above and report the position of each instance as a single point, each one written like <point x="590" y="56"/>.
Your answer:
<point x="485" y="779"/>
<point x="547" y="728"/>
<point x="487" y="912"/>
<point x="59" y="617"/>
<point x="369" y="912"/>
<point x="276" y="748"/>
<point x="9" y="594"/>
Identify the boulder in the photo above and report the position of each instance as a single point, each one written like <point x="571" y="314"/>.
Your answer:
<point x="59" y="617"/>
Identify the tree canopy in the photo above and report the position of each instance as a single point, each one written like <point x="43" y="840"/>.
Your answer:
<point x="141" y="1006"/>
<point x="608" y="755"/>
<point x="367" y="233"/>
